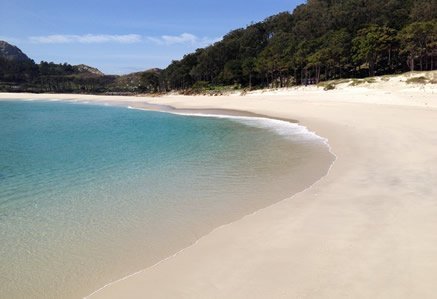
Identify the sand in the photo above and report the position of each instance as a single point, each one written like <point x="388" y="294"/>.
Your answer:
<point x="365" y="230"/>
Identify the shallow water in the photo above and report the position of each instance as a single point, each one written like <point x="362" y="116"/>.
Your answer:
<point x="89" y="194"/>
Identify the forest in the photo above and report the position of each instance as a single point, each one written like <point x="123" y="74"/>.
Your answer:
<point x="318" y="41"/>
<point x="27" y="76"/>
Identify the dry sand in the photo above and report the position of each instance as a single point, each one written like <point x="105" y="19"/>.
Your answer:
<point x="366" y="230"/>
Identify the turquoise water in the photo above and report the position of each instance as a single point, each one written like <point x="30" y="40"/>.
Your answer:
<point x="89" y="194"/>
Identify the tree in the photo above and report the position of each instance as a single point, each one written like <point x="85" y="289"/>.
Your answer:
<point x="419" y="41"/>
<point x="370" y="43"/>
<point x="232" y="72"/>
<point x="322" y="39"/>
<point x="149" y="81"/>
<point x="312" y="20"/>
<point x="248" y="69"/>
<point x="424" y="10"/>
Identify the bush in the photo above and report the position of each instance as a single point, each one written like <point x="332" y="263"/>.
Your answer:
<point x="417" y="80"/>
<point x="329" y="86"/>
<point x="200" y="86"/>
<point x="356" y="82"/>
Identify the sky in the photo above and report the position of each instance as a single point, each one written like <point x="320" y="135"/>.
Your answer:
<point x="123" y="36"/>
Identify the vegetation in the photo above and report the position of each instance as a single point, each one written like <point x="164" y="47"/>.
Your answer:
<point x="329" y="86"/>
<point x="26" y="75"/>
<point x="417" y="80"/>
<point x="319" y="41"/>
<point x="422" y="80"/>
<point x="322" y="40"/>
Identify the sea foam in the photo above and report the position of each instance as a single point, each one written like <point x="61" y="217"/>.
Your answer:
<point x="287" y="129"/>
<point x="283" y="128"/>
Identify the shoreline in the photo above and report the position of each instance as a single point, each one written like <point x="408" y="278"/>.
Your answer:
<point x="135" y="101"/>
<point x="372" y="214"/>
<point x="212" y="231"/>
<point x="204" y="112"/>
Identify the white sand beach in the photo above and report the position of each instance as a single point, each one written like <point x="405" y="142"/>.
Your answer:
<point x="365" y="230"/>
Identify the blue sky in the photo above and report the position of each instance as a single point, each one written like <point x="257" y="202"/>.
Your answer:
<point x="124" y="36"/>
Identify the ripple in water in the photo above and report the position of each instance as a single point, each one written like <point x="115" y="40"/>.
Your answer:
<point x="89" y="194"/>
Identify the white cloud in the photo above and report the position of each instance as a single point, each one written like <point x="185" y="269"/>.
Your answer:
<point x="166" y="40"/>
<point x="184" y="38"/>
<point x="86" y="38"/>
<point x="180" y="39"/>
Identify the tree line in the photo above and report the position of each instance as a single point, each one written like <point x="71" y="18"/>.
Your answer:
<point x="319" y="40"/>
<point x="28" y="76"/>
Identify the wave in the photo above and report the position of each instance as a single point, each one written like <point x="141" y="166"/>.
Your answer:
<point x="284" y="128"/>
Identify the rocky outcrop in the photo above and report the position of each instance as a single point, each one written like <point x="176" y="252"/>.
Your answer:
<point x="83" y="68"/>
<point x="12" y="53"/>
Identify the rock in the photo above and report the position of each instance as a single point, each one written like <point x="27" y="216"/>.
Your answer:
<point x="83" y="68"/>
<point x="11" y="52"/>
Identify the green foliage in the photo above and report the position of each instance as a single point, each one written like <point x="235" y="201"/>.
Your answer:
<point x="49" y="77"/>
<point x="319" y="41"/>
<point x="371" y="43"/>
<point x="356" y="82"/>
<point x="419" y="43"/>
<point x="329" y="86"/>
<point x="200" y="86"/>
<point x="424" y="10"/>
<point x="418" y="80"/>
<point x="149" y="82"/>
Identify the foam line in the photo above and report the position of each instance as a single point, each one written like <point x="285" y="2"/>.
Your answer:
<point x="280" y="127"/>
<point x="286" y="129"/>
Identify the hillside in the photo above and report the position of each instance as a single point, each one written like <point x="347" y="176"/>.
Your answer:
<point x="18" y="73"/>
<point x="320" y="40"/>
<point x="82" y="68"/>
<point x="11" y="52"/>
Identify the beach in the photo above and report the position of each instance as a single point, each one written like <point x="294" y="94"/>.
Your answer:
<point x="365" y="230"/>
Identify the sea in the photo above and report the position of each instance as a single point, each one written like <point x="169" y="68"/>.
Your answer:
<point x="91" y="193"/>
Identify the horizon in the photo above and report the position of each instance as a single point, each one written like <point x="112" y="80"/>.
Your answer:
<point x="121" y="38"/>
